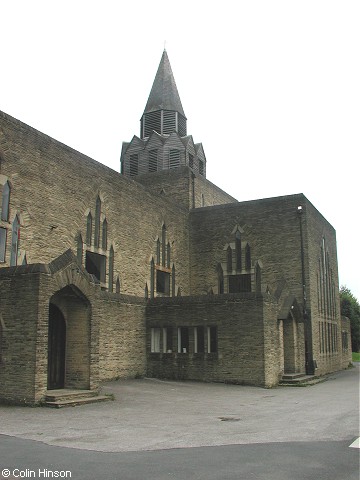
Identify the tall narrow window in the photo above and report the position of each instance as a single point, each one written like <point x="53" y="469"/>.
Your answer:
<point x="163" y="240"/>
<point x="104" y="235"/>
<point x="229" y="259"/>
<point x="168" y="340"/>
<point x="3" y="232"/>
<point x="168" y="255"/>
<point x="134" y="164"/>
<point x="153" y="154"/>
<point x="173" y="280"/>
<point x="118" y="285"/>
<point x="220" y="280"/>
<point x="155" y="340"/>
<point x="15" y="239"/>
<point x="79" y="249"/>
<point x="5" y="201"/>
<point x="111" y="269"/>
<point x="258" y="278"/>
<point x="212" y="339"/>
<point x="238" y="250"/>
<point x="97" y="222"/>
<point x="183" y="340"/>
<point x="158" y="252"/>
<point x="152" y="278"/>
<point x="247" y="257"/>
<point x="88" y="229"/>
<point x="199" y="340"/>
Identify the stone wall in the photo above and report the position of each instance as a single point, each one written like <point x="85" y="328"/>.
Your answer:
<point x="240" y="355"/>
<point x="105" y="331"/>
<point x="53" y="189"/>
<point x="269" y="226"/>
<point x="18" y="336"/>
<point x="182" y="186"/>
<point x="322" y="290"/>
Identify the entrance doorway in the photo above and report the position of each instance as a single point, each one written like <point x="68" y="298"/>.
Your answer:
<point x="69" y="343"/>
<point x="56" y="348"/>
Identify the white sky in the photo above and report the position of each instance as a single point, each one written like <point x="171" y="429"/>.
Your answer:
<point x="271" y="89"/>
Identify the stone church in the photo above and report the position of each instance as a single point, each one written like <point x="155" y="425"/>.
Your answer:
<point x="154" y="270"/>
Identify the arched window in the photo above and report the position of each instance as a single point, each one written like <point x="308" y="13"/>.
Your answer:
<point x="229" y="259"/>
<point x="163" y="240"/>
<point x="247" y="257"/>
<point x="118" y="285"/>
<point x="258" y="277"/>
<point x="220" y="279"/>
<point x="238" y="250"/>
<point x="97" y="222"/>
<point x="3" y="234"/>
<point x="79" y="249"/>
<point x="15" y="240"/>
<point x="111" y="269"/>
<point x="104" y="235"/>
<point x="168" y="255"/>
<point x="173" y="281"/>
<point x="152" y="275"/>
<point x="158" y="252"/>
<point x="5" y="202"/>
<point x="88" y="229"/>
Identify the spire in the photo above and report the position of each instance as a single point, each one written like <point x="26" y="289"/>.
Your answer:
<point x="163" y="112"/>
<point x="164" y="94"/>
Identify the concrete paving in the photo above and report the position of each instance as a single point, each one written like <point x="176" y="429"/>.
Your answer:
<point x="150" y="414"/>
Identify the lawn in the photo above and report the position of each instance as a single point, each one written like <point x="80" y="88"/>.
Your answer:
<point x="356" y="356"/>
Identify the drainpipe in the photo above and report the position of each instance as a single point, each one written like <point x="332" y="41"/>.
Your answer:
<point x="309" y="361"/>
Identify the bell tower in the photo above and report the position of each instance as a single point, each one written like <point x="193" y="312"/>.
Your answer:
<point x="163" y="143"/>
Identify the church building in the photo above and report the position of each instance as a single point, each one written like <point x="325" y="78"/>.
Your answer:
<point x="154" y="270"/>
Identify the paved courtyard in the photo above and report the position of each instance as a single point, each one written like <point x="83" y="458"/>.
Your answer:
<point x="151" y="414"/>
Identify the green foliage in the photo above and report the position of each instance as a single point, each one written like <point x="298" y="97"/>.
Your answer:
<point x="355" y="357"/>
<point x="350" y="307"/>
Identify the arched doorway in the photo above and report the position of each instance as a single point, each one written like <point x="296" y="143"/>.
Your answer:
<point x="292" y="338"/>
<point x="56" y="348"/>
<point x="69" y="340"/>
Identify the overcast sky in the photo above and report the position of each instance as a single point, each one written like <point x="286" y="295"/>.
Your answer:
<point x="271" y="89"/>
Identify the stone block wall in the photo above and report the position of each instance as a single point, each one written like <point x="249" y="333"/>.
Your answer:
<point x="322" y="290"/>
<point x="182" y="186"/>
<point x="38" y="167"/>
<point x="269" y="226"/>
<point x="240" y="355"/>
<point x="122" y="351"/>
<point x="18" y="336"/>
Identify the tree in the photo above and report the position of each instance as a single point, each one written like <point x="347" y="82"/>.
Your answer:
<point x="350" y="307"/>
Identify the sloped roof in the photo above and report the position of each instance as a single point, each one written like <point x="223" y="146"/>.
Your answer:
<point x="164" y="94"/>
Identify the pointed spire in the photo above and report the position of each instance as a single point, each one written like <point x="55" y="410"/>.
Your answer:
<point x="164" y="94"/>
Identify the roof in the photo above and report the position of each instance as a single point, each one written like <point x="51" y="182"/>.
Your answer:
<point x="164" y="94"/>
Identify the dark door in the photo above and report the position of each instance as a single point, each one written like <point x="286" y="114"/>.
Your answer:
<point x="56" y="349"/>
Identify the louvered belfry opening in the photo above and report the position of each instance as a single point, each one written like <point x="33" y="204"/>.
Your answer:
<point x="163" y="122"/>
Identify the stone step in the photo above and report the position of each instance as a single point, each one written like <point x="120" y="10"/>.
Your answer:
<point x="300" y="380"/>
<point x="77" y="401"/>
<point x="70" y="397"/>
<point x="291" y="376"/>
<point x="69" y="394"/>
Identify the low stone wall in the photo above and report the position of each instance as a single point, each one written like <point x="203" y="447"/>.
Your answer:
<point x="239" y="322"/>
